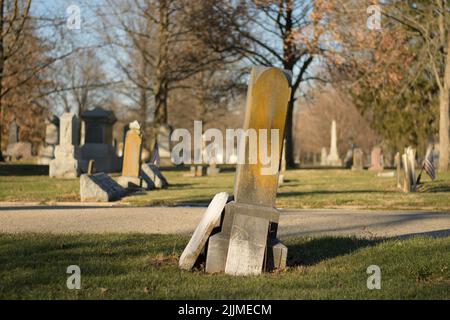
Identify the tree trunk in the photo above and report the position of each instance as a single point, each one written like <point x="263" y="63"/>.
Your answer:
<point x="289" y="152"/>
<point x="161" y="66"/>
<point x="444" y="100"/>
<point x="2" y="64"/>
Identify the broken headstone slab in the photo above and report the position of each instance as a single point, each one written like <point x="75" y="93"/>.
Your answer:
<point x="210" y="219"/>
<point x="99" y="187"/>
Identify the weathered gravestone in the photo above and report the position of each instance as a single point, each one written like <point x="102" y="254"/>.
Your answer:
<point x="67" y="154"/>
<point x="132" y="157"/>
<point x="333" y="158"/>
<point x="375" y="160"/>
<point x="409" y="165"/>
<point x="99" y="187"/>
<point x="248" y="232"/>
<point x="210" y="219"/>
<point x="358" y="157"/>
<point x="398" y="168"/>
<point x="152" y="177"/>
<point x="16" y="149"/>
<point x="97" y="139"/>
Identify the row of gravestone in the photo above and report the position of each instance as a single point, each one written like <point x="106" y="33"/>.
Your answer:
<point x="354" y="159"/>
<point x="94" y="141"/>
<point x="100" y="187"/>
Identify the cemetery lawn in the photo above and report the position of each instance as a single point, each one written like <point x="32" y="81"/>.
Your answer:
<point x="305" y="189"/>
<point x="134" y="266"/>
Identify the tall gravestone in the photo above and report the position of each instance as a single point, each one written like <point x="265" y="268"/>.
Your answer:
<point x="132" y="157"/>
<point x="67" y="162"/>
<point x="247" y="240"/>
<point x="333" y="158"/>
<point x="398" y="168"/>
<point x="97" y="139"/>
<point x="375" y="160"/>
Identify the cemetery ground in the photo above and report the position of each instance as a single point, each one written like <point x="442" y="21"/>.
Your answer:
<point x="136" y="266"/>
<point x="303" y="189"/>
<point x="145" y="266"/>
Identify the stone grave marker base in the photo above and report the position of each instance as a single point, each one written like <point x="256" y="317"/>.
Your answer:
<point x="99" y="187"/>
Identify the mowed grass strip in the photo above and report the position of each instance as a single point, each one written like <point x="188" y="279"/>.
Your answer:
<point x="305" y="188"/>
<point x="133" y="266"/>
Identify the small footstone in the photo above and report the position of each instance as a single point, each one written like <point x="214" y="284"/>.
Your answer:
<point x="99" y="187"/>
<point x="152" y="177"/>
<point x="210" y="219"/>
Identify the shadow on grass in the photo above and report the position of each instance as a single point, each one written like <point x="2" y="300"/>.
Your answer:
<point x="318" y="249"/>
<point x="23" y="170"/>
<point x="324" y="192"/>
<point x="435" y="186"/>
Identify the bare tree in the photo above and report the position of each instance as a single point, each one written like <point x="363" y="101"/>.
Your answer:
<point x="270" y="33"/>
<point x="13" y="17"/>
<point x="159" y="52"/>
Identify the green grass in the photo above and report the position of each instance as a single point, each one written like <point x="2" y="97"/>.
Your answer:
<point x="303" y="189"/>
<point x="132" y="266"/>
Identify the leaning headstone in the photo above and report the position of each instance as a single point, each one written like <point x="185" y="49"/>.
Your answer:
<point x="333" y="158"/>
<point x="152" y="177"/>
<point x="248" y="232"/>
<point x="132" y="158"/>
<point x="357" y="160"/>
<point x="99" y="187"/>
<point x="210" y="219"/>
<point x="67" y="154"/>
<point x="375" y="160"/>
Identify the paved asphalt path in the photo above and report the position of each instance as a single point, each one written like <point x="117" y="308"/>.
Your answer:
<point x="183" y="220"/>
